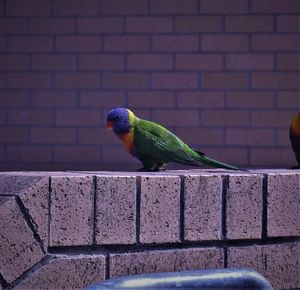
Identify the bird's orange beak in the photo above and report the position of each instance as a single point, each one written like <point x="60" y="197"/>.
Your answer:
<point x="109" y="125"/>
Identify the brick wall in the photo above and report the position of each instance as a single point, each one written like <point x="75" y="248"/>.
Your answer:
<point x="67" y="230"/>
<point x="224" y="75"/>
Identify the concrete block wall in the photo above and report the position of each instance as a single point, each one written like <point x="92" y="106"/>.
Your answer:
<point x="68" y="229"/>
<point x="223" y="75"/>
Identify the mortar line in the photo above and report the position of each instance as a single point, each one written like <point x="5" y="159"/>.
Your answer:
<point x="107" y="267"/>
<point x="138" y="209"/>
<point x="225" y="257"/>
<point x="264" y="218"/>
<point x="225" y="184"/>
<point x="181" y="209"/>
<point x="29" y="221"/>
<point x="49" y="210"/>
<point x="94" y="209"/>
<point x="3" y="282"/>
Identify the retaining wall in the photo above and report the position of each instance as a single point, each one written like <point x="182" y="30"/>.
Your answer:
<point x="68" y="229"/>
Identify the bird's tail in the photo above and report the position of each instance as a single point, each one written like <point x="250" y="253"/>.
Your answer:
<point x="214" y="163"/>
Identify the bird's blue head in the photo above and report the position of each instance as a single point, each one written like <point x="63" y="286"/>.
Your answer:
<point x="120" y="120"/>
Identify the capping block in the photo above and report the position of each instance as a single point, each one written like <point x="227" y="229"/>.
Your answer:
<point x="165" y="261"/>
<point x="115" y="210"/>
<point x="283" y="204"/>
<point x="66" y="272"/>
<point x="160" y="209"/>
<point x="202" y="207"/>
<point x="19" y="250"/>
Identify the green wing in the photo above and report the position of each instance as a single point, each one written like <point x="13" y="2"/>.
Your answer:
<point x="152" y="142"/>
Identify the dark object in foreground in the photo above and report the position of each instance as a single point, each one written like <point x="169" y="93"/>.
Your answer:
<point x="200" y="279"/>
<point x="295" y="137"/>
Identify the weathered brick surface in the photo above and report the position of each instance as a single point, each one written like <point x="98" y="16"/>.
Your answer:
<point x="115" y="210"/>
<point x="283" y="205"/>
<point x="244" y="207"/>
<point x="71" y="209"/>
<point x="165" y="261"/>
<point x="16" y="254"/>
<point x="278" y="263"/>
<point x="66" y="272"/>
<point x="202" y="207"/>
<point x="160" y="206"/>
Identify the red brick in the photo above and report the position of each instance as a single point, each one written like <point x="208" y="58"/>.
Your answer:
<point x="1" y="7"/>
<point x="78" y="117"/>
<point x="76" y="271"/>
<point x="253" y="61"/>
<point x="278" y="6"/>
<point x="288" y="23"/>
<point x="31" y="117"/>
<point x="51" y="135"/>
<point x="283" y="209"/>
<point x="53" y="99"/>
<point x="160" y="209"/>
<point x="198" y="99"/>
<point x="52" y="25"/>
<point x="28" y="153"/>
<point x="225" y="42"/>
<point x="173" y="7"/>
<point x="199" y="62"/>
<point x="78" y="7"/>
<point x="225" y="118"/>
<point x="17" y="255"/>
<point x="250" y="99"/>
<point x="264" y="157"/>
<point x="282" y="138"/>
<point x="223" y="6"/>
<point x="190" y="24"/>
<point x="100" y="25"/>
<point x="275" y="80"/>
<point x="30" y="43"/>
<point x="175" y="42"/>
<point x="125" y="80"/>
<point x="28" y="80"/>
<point x="12" y="99"/>
<point x="275" y="42"/>
<point x="73" y="153"/>
<point x="115" y="210"/>
<point x="102" y="99"/>
<point x="273" y="118"/>
<point x="71" y="209"/>
<point x="288" y="61"/>
<point x="77" y="80"/>
<point x="124" y="7"/>
<point x="3" y="43"/>
<point x="126" y="43"/>
<point x="14" y="62"/>
<point x="165" y="261"/>
<point x="28" y="8"/>
<point x="97" y="136"/>
<point x="3" y="117"/>
<point x="288" y="99"/>
<point x="151" y="99"/>
<point x="249" y="23"/>
<point x="278" y="263"/>
<point x="196" y="136"/>
<point x="177" y="80"/>
<point x="250" y="137"/>
<point x="180" y="118"/>
<point x="224" y="80"/>
<point x="14" y="134"/>
<point x="119" y="156"/>
<point x="13" y="25"/>
<point x="244" y="207"/>
<point x="202" y="207"/>
<point x="150" y="62"/>
<point x="98" y="62"/>
<point x="56" y="62"/>
<point x="78" y="43"/>
<point x="149" y="24"/>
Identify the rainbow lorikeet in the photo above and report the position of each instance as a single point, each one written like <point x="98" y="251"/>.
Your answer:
<point x="295" y="136"/>
<point x="153" y="144"/>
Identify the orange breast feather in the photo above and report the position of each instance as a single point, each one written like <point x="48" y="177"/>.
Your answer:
<point x="127" y="140"/>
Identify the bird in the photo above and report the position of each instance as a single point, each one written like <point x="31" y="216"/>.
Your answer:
<point x="153" y="144"/>
<point x="295" y="136"/>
